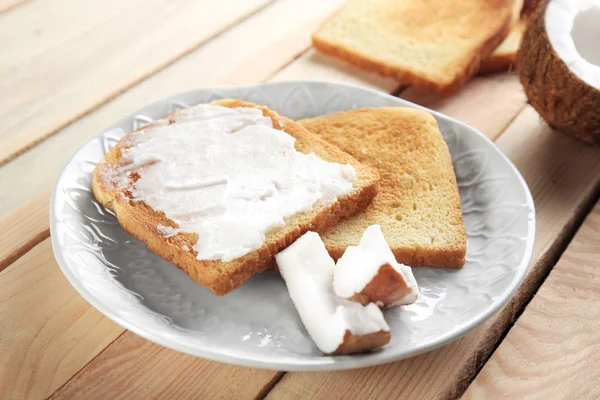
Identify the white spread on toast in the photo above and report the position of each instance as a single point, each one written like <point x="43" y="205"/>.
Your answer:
<point x="359" y="265"/>
<point x="307" y="270"/>
<point x="229" y="176"/>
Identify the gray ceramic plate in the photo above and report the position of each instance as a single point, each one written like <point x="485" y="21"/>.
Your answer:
<point x="257" y="325"/>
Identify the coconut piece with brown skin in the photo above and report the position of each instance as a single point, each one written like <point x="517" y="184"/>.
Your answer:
<point x="559" y="66"/>
<point x="369" y="272"/>
<point x="336" y="325"/>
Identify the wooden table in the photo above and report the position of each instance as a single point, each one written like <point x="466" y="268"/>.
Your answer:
<point x="69" y="68"/>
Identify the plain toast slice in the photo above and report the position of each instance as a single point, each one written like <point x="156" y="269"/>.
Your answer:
<point x="433" y="44"/>
<point x="418" y="205"/>
<point x="504" y="56"/>
<point x="143" y="222"/>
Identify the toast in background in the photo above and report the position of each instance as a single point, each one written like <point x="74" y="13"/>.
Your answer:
<point x="504" y="56"/>
<point x="433" y="44"/>
<point x="143" y="222"/>
<point x="418" y="205"/>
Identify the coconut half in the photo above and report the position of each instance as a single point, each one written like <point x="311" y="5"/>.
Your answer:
<point x="559" y="66"/>
<point x="336" y="325"/>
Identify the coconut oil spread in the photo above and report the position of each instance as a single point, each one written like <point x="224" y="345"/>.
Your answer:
<point x="227" y="175"/>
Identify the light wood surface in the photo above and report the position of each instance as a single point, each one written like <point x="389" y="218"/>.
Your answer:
<point x="47" y="331"/>
<point x="555" y="341"/>
<point x="141" y="369"/>
<point x="66" y="82"/>
<point x="75" y="68"/>
<point x="47" y="24"/>
<point x="320" y="67"/>
<point x="6" y="5"/>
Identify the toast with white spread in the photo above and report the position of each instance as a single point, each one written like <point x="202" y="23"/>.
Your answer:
<point x="219" y="189"/>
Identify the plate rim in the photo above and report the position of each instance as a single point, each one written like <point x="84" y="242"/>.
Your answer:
<point x="326" y="363"/>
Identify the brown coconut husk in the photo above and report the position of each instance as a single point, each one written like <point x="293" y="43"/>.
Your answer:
<point x="563" y="100"/>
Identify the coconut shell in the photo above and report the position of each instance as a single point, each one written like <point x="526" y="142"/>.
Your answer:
<point x="563" y="100"/>
<point x="529" y="6"/>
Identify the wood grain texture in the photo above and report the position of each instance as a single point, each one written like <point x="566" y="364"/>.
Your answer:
<point x="40" y="26"/>
<point x="61" y="85"/>
<point x="6" y="5"/>
<point x="313" y="65"/>
<point x="47" y="331"/>
<point x="552" y="164"/>
<point x="487" y="103"/>
<point x="552" y="350"/>
<point x="24" y="228"/>
<point x="259" y="54"/>
<point x="135" y="368"/>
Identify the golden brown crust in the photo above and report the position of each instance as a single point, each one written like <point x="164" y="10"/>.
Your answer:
<point x="353" y="344"/>
<point x="141" y="221"/>
<point x="505" y="55"/>
<point x="469" y="62"/>
<point x="418" y="206"/>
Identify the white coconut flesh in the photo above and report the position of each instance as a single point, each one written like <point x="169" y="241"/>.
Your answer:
<point x="573" y="29"/>
<point x="359" y="265"/>
<point x="307" y="270"/>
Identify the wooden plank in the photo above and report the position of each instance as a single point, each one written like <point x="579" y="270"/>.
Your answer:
<point x="487" y="103"/>
<point x="259" y="54"/>
<point x="552" y="350"/>
<point x="59" y="86"/>
<point x="23" y="229"/>
<point x="48" y="332"/>
<point x="313" y="65"/>
<point x="552" y="164"/>
<point x="137" y="368"/>
<point x="40" y="26"/>
<point x="6" y="5"/>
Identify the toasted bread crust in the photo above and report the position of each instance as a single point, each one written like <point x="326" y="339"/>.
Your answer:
<point x="141" y="221"/>
<point x="468" y="62"/>
<point x="505" y="55"/>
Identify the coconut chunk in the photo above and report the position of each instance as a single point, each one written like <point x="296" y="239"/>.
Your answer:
<point x="336" y="325"/>
<point x="369" y="272"/>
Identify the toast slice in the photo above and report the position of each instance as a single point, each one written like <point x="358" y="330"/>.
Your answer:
<point x="149" y="225"/>
<point x="418" y="206"/>
<point x="503" y="57"/>
<point x="433" y="44"/>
